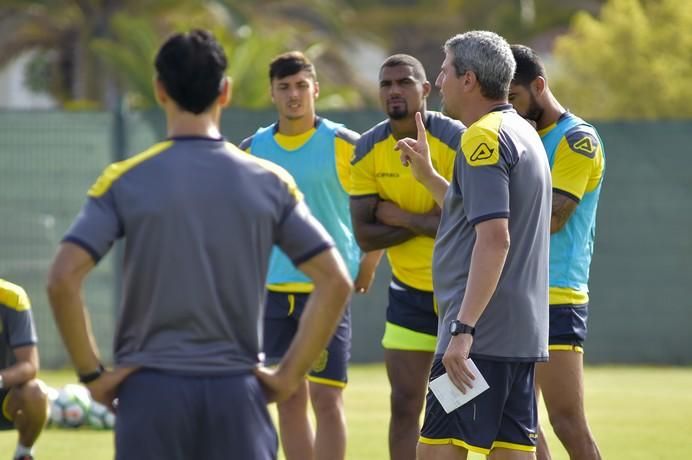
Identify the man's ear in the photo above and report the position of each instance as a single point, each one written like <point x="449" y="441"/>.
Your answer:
<point x="317" y="89"/>
<point x="226" y="93"/>
<point x="426" y="88"/>
<point x="160" y="92"/>
<point x="538" y="86"/>
<point x="469" y="81"/>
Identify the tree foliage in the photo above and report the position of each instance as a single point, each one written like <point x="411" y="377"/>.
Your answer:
<point x="86" y="49"/>
<point x="130" y="52"/>
<point x="632" y="62"/>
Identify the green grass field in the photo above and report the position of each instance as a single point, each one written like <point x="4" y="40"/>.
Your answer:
<point x="635" y="412"/>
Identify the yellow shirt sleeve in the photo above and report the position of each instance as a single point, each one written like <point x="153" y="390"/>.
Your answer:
<point x="363" y="176"/>
<point x="574" y="171"/>
<point x="13" y="296"/>
<point x="344" y="152"/>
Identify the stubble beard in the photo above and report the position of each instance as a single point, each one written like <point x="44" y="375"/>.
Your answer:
<point x="535" y="111"/>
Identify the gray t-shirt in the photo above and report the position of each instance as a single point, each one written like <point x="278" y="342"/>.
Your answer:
<point x="17" y="327"/>
<point x="199" y="218"/>
<point x="502" y="172"/>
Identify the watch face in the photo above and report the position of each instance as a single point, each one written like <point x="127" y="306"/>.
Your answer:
<point x="454" y="327"/>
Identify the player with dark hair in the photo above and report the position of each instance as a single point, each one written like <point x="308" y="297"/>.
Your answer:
<point x="392" y="211"/>
<point x="577" y="162"/>
<point x="316" y="151"/>
<point x="22" y="396"/>
<point x="199" y="218"/>
<point x="490" y="263"/>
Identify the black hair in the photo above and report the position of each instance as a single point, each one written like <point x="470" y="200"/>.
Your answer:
<point x="287" y="64"/>
<point x="405" y="59"/>
<point x="529" y="65"/>
<point x="191" y="67"/>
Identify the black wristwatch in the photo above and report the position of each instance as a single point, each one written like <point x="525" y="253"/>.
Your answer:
<point x="456" y="327"/>
<point x="91" y="376"/>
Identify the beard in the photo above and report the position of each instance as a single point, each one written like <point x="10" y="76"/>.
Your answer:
<point x="398" y="112"/>
<point x="535" y="111"/>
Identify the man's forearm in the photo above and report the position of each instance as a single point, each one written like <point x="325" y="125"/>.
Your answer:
<point x="437" y="185"/>
<point x="376" y="236"/>
<point x="18" y="374"/>
<point x="370" y="261"/>
<point x="423" y="224"/>
<point x="74" y="325"/>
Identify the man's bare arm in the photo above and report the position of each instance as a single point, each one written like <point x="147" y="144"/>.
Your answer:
<point x="366" y="271"/>
<point x="425" y="224"/>
<point x="416" y="154"/>
<point x="563" y="208"/>
<point x="70" y="267"/>
<point x="371" y="234"/>
<point x="487" y="261"/>
<point x="24" y="369"/>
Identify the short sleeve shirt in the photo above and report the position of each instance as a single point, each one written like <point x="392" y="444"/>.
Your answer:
<point x="199" y="218"/>
<point x="377" y="170"/>
<point x="17" y="327"/>
<point x="501" y="172"/>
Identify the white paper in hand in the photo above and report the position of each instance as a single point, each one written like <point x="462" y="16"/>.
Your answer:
<point x="450" y="396"/>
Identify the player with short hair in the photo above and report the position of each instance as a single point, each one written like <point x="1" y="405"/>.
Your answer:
<point x="22" y="396"/>
<point x="577" y="160"/>
<point x="392" y="211"/>
<point x="199" y="218"/>
<point x="316" y="151"/>
<point x="490" y="263"/>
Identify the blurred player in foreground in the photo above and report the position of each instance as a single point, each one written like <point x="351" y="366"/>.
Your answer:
<point x="199" y="218"/>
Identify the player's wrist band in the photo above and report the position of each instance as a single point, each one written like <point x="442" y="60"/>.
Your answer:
<point x="91" y="376"/>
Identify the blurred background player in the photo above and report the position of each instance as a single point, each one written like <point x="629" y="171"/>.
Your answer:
<point x="316" y="152"/>
<point x="199" y="218"/>
<point x="22" y="397"/>
<point x="392" y="211"/>
<point x="577" y="162"/>
<point x="490" y="263"/>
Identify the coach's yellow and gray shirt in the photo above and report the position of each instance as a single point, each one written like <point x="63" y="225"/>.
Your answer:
<point x="17" y="327"/>
<point x="377" y="170"/>
<point x="199" y="218"/>
<point x="502" y="172"/>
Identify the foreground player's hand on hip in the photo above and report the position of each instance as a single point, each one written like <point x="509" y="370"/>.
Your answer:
<point x="454" y="361"/>
<point x="105" y="388"/>
<point x="416" y="152"/>
<point x="276" y="387"/>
